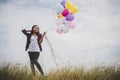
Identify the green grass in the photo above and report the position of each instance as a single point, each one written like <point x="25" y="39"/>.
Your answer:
<point x="19" y="72"/>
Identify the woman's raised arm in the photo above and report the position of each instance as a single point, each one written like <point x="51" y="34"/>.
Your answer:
<point x="26" y="31"/>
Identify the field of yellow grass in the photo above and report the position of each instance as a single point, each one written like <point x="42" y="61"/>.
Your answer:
<point x="21" y="72"/>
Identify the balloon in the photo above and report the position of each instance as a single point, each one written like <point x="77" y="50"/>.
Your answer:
<point x="58" y="30"/>
<point x="70" y="17"/>
<point x="74" y="9"/>
<point x="71" y="25"/>
<point x="68" y="4"/>
<point x="59" y="22"/>
<point x="63" y="3"/>
<point x="59" y="8"/>
<point x="64" y="29"/>
<point x="65" y="12"/>
<point x="65" y="17"/>
<point x="59" y="15"/>
<point x="65" y="21"/>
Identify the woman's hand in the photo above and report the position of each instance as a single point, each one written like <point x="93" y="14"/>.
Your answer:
<point x="42" y="37"/>
<point x="44" y="33"/>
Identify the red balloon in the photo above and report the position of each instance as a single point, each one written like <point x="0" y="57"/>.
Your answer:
<point x="65" y="12"/>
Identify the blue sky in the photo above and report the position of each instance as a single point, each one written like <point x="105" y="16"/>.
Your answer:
<point x="95" y="38"/>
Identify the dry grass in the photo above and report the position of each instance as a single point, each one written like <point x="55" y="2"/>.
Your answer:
<point x="18" y="72"/>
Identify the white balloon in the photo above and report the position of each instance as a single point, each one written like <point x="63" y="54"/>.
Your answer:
<point x="64" y="29"/>
<point x="65" y="22"/>
<point x="58" y="22"/>
<point x="59" y="8"/>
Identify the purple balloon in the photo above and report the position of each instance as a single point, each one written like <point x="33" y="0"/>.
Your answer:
<point x="70" y="17"/>
<point x="63" y="3"/>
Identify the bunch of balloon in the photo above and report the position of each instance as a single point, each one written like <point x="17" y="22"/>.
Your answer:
<point x="65" y="16"/>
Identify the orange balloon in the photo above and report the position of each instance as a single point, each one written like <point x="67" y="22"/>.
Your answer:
<point x="59" y="15"/>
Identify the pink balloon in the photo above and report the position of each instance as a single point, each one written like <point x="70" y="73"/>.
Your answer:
<point x="65" y="12"/>
<point x="58" y="30"/>
<point x="71" y="25"/>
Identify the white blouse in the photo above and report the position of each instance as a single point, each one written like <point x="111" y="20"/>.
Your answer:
<point x="33" y="47"/>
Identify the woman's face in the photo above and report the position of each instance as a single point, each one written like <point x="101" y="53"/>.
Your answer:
<point x="36" y="29"/>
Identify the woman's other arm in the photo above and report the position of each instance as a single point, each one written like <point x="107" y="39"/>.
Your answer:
<point x="41" y="40"/>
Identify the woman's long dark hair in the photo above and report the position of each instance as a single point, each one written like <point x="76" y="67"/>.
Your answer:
<point x="32" y="31"/>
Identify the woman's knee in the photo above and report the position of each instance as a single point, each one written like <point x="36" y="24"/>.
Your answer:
<point x="34" y="61"/>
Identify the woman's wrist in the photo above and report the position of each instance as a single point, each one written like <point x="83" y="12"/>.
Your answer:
<point x="44" y="33"/>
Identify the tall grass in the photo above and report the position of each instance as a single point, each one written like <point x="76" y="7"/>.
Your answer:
<point x="19" y="72"/>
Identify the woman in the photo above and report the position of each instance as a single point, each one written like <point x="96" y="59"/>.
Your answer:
<point x="33" y="46"/>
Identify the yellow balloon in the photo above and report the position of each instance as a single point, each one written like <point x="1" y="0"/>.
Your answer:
<point x="74" y="9"/>
<point x="59" y="15"/>
<point x="71" y="7"/>
<point x="68" y="4"/>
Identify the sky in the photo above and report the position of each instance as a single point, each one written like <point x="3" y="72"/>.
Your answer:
<point x="95" y="40"/>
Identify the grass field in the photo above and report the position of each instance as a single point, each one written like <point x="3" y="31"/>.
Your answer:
<point x="21" y="72"/>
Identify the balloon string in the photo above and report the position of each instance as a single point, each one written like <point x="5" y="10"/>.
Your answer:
<point x="52" y="51"/>
<point x="49" y="29"/>
<point x="52" y="26"/>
